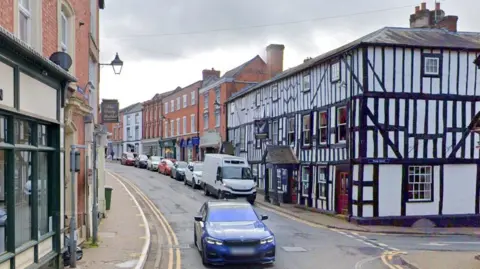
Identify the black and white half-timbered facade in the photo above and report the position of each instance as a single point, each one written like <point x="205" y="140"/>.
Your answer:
<point x="383" y="127"/>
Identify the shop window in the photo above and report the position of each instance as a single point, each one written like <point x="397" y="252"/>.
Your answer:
<point x="291" y="131"/>
<point x="305" y="181"/>
<point x="3" y="130"/>
<point x="42" y="185"/>
<point x="341" y="132"/>
<point x="23" y="202"/>
<point x="420" y="183"/>
<point x="3" y="207"/>
<point x="322" y="127"/>
<point x="23" y="132"/>
<point x="42" y="135"/>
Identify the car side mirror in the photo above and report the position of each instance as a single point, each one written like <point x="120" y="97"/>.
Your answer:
<point x="264" y="217"/>
<point x="198" y="218"/>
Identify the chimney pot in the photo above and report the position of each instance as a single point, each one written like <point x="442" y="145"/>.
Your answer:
<point x="274" y="59"/>
<point x="437" y="6"/>
<point x="417" y="9"/>
<point x="424" y="6"/>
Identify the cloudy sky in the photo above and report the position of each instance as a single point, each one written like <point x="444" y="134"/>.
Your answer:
<point x="167" y="43"/>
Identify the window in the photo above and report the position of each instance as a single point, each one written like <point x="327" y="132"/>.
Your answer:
<point x="129" y="136"/>
<point x="242" y="138"/>
<point x="184" y="124"/>
<point x="420" y="183"/>
<point x="258" y="99"/>
<point x="192" y="97"/>
<point x="322" y="183"/>
<point x="335" y="72"/>
<point x="42" y="185"/>
<point x="172" y="106"/>
<point x="23" y="209"/>
<point x="192" y="123"/>
<point x="322" y="127"/>
<point x="137" y="118"/>
<point x="166" y="108"/>
<point x="275" y="92"/>
<point x="64" y="31"/>
<point x="431" y="65"/>
<point x="306" y="130"/>
<point x="137" y="133"/>
<point x="205" y="101"/>
<point x="341" y="133"/>
<point x="178" y="103"/>
<point x="275" y="132"/>
<point x="93" y="18"/>
<point x="217" y="117"/>
<point x="178" y="126"/>
<point x="128" y="120"/>
<point x="291" y="131"/>
<point x="172" y="128"/>
<point x="185" y="102"/>
<point x="166" y="129"/>
<point x="205" y="121"/>
<point x="305" y="181"/>
<point x="306" y="83"/>
<point x="217" y="95"/>
<point x="25" y="20"/>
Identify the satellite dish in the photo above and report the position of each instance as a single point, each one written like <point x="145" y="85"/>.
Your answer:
<point x="62" y="59"/>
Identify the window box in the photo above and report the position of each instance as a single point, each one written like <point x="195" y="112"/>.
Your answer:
<point x="420" y="183"/>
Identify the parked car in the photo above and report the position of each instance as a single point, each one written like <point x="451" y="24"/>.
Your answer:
<point x="152" y="163"/>
<point x="228" y="176"/>
<point x="141" y="161"/>
<point x="165" y="166"/>
<point x="231" y="232"/>
<point x="193" y="175"/>
<point x="128" y="158"/>
<point x="178" y="170"/>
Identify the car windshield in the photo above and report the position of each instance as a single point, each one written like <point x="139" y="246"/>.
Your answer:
<point x="182" y="165"/>
<point x="155" y="158"/>
<point x="143" y="157"/>
<point x="231" y="214"/>
<point x="231" y="172"/>
<point x="198" y="167"/>
<point x="168" y="162"/>
<point x="130" y="155"/>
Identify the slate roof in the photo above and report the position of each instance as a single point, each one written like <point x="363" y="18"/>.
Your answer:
<point x="276" y="154"/>
<point x="130" y="108"/>
<point x="413" y="37"/>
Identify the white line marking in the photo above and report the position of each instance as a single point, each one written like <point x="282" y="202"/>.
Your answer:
<point x="382" y="244"/>
<point x="354" y="233"/>
<point x="394" y="249"/>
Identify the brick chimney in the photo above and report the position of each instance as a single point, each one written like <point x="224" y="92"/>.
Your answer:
<point x="424" y="18"/>
<point x="274" y="59"/>
<point x="206" y="73"/>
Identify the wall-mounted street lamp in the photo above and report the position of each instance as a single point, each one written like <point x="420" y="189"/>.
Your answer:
<point x="116" y="64"/>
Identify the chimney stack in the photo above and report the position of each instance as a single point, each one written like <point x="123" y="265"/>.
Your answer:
<point x="417" y="9"/>
<point x="274" y="59"/>
<point x="424" y="6"/>
<point x="437" y="6"/>
<point x="210" y="73"/>
<point x="307" y="59"/>
<point x="424" y="18"/>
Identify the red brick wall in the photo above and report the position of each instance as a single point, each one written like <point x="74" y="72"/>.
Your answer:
<point x="152" y="124"/>
<point x="6" y="14"/>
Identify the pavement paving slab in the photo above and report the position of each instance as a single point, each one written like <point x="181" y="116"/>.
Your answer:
<point x="121" y="234"/>
<point x="441" y="260"/>
<point x="340" y="222"/>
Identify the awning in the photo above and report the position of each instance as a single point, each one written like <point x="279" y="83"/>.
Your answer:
<point x="210" y="139"/>
<point x="282" y="157"/>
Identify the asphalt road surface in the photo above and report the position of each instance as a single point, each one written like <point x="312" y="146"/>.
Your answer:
<point x="299" y="245"/>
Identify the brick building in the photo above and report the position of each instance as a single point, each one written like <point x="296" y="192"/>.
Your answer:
<point x="52" y="101"/>
<point x="152" y="124"/>
<point x="180" y="136"/>
<point x="216" y="90"/>
<point x="117" y="137"/>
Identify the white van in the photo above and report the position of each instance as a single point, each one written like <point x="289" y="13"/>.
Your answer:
<point x="227" y="176"/>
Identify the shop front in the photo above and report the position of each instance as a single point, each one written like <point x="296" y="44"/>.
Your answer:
<point x="151" y="147"/>
<point x="32" y="97"/>
<point x="189" y="149"/>
<point x="169" y="148"/>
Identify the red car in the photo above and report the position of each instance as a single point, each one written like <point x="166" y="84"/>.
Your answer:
<point x="165" y="166"/>
<point x="128" y="158"/>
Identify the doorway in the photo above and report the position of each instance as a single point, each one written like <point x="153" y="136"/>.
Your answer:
<point x="341" y="190"/>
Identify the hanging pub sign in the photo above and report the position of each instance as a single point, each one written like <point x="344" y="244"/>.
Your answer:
<point x="261" y="129"/>
<point x="110" y="108"/>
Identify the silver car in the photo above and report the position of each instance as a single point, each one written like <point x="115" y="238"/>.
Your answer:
<point x="152" y="163"/>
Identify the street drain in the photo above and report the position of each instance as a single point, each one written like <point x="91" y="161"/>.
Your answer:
<point x="294" y="249"/>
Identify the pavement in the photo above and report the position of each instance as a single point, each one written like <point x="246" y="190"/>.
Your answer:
<point x="123" y="236"/>
<point x="306" y="238"/>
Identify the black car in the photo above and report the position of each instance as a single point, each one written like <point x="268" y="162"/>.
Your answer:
<point x="141" y="161"/>
<point x="178" y="170"/>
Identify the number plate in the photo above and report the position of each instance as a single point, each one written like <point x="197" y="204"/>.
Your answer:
<point x="242" y="251"/>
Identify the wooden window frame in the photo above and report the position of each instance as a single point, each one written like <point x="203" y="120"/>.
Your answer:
<point x="335" y="77"/>
<point x="415" y="187"/>
<point x="290" y="131"/>
<point x="322" y="181"/>
<point x="306" y="82"/>
<point x="321" y="127"/>
<point x="306" y="133"/>
<point x="339" y="125"/>
<point x="275" y="93"/>
<point x="431" y="56"/>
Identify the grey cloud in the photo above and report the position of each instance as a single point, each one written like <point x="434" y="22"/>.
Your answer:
<point x="150" y="30"/>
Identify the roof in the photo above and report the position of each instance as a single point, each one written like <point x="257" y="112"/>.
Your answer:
<point x="394" y="36"/>
<point x="16" y="45"/>
<point x="227" y="203"/>
<point x="235" y="71"/>
<point x="130" y="108"/>
<point x="277" y="154"/>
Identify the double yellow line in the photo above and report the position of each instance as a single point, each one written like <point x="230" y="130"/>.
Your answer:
<point x="171" y="236"/>
<point x="387" y="258"/>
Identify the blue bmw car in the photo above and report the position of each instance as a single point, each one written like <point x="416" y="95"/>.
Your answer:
<point x="231" y="232"/>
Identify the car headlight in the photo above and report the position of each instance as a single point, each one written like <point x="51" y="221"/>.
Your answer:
<point x="269" y="239"/>
<point x="226" y="186"/>
<point x="213" y="241"/>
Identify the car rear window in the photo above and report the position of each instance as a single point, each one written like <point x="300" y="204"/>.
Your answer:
<point x="231" y="214"/>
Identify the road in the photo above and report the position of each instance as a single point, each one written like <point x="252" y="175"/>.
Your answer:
<point x="300" y="245"/>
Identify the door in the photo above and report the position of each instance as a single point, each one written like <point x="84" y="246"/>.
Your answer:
<point x="342" y="193"/>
